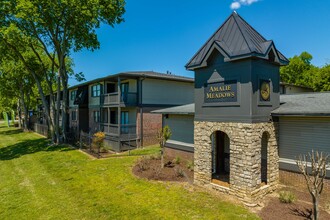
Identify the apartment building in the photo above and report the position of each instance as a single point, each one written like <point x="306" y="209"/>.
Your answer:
<point x="120" y="105"/>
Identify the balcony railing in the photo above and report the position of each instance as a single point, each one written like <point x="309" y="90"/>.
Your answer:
<point x="129" y="98"/>
<point x="126" y="131"/>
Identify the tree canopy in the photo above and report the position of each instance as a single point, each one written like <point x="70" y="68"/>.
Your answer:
<point x="54" y="29"/>
<point x="301" y="71"/>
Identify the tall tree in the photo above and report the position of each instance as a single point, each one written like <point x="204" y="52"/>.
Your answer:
<point x="58" y="28"/>
<point x="297" y="70"/>
<point x="61" y="27"/>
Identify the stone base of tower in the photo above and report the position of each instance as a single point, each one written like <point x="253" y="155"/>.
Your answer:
<point x="253" y="158"/>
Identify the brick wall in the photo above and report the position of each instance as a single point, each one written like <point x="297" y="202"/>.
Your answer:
<point x="298" y="180"/>
<point x="151" y="125"/>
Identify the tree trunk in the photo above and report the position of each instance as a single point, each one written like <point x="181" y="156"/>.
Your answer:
<point x="19" y="113"/>
<point x="315" y="207"/>
<point x="26" y="127"/>
<point x="58" y="105"/>
<point x="65" y="109"/>
<point x="44" y="102"/>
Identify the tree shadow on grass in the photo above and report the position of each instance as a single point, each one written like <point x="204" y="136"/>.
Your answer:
<point x="29" y="147"/>
<point x="11" y="132"/>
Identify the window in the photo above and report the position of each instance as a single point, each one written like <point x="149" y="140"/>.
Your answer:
<point x="96" y="116"/>
<point x="73" y="116"/>
<point x="96" y="90"/>
<point x="73" y="94"/>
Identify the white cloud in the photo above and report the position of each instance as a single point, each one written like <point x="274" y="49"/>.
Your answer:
<point x="236" y="4"/>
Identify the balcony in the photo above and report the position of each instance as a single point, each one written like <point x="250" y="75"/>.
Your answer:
<point x="125" y="132"/>
<point x="127" y="99"/>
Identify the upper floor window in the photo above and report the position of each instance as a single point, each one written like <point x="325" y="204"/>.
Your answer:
<point x="96" y="90"/>
<point x="73" y="95"/>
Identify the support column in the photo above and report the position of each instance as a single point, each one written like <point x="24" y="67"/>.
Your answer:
<point x="119" y="112"/>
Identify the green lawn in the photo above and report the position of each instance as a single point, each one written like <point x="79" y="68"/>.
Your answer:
<point x="38" y="181"/>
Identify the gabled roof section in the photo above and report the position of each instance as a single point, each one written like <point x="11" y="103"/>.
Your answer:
<point x="236" y="39"/>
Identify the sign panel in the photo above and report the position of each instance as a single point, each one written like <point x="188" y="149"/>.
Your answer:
<point x="221" y="92"/>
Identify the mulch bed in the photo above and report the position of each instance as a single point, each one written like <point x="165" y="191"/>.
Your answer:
<point x="150" y="168"/>
<point x="300" y="209"/>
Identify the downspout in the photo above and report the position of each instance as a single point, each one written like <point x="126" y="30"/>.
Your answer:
<point x="141" y="110"/>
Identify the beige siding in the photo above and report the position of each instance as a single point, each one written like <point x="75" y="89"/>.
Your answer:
<point x="132" y="85"/>
<point x="295" y="89"/>
<point x="182" y="128"/>
<point x="300" y="135"/>
<point x="131" y="114"/>
<point x="167" y="92"/>
<point x="93" y="101"/>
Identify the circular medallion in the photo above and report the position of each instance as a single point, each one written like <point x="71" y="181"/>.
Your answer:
<point x="265" y="91"/>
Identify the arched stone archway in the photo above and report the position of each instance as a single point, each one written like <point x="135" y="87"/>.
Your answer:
<point x="220" y="158"/>
<point x="245" y="156"/>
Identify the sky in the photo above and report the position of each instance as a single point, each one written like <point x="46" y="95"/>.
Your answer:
<point x="163" y="35"/>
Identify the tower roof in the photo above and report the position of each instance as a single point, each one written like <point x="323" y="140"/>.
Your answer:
<point x="236" y="39"/>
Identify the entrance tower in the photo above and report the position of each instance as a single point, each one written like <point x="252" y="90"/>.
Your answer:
<point x="236" y="88"/>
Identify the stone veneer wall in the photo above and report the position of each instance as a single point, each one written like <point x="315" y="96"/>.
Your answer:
<point x="245" y="158"/>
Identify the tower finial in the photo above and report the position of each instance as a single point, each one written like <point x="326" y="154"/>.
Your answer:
<point x="235" y="12"/>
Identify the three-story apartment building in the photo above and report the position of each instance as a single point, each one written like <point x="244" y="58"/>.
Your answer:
<point x="120" y="105"/>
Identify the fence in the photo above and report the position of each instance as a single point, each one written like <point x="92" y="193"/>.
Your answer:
<point x="86" y="143"/>
<point x="41" y="129"/>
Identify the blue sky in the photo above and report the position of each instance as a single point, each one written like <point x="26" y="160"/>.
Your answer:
<point x="162" y="35"/>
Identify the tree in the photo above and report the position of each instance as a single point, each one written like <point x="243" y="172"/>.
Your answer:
<point x="297" y="70"/>
<point x="61" y="27"/>
<point x="322" y="79"/>
<point x="163" y="135"/>
<point x="314" y="175"/>
<point x="17" y="88"/>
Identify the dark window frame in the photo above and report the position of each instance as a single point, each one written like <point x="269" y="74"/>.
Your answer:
<point x="96" y="90"/>
<point x="73" y="95"/>
<point x="97" y="116"/>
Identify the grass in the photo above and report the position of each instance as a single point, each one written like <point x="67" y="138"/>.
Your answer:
<point x="40" y="181"/>
<point x="150" y="150"/>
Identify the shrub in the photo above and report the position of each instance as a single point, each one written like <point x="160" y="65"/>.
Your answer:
<point x="177" y="160"/>
<point x="98" y="139"/>
<point x="190" y="165"/>
<point x="287" y="197"/>
<point x="179" y="172"/>
<point x="143" y="164"/>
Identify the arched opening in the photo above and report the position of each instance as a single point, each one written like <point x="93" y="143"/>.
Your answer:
<point x="264" y="161"/>
<point x="220" y="158"/>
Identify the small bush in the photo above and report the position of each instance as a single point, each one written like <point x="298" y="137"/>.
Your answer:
<point x="143" y="164"/>
<point x="190" y="165"/>
<point x="287" y="197"/>
<point x="179" y="172"/>
<point x="155" y="157"/>
<point x="177" y="160"/>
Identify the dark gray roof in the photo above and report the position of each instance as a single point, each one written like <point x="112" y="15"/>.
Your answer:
<point x="304" y="104"/>
<point x="179" y="110"/>
<point x="237" y="40"/>
<point x="293" y="85"/>
<point x="137" y="74"/>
